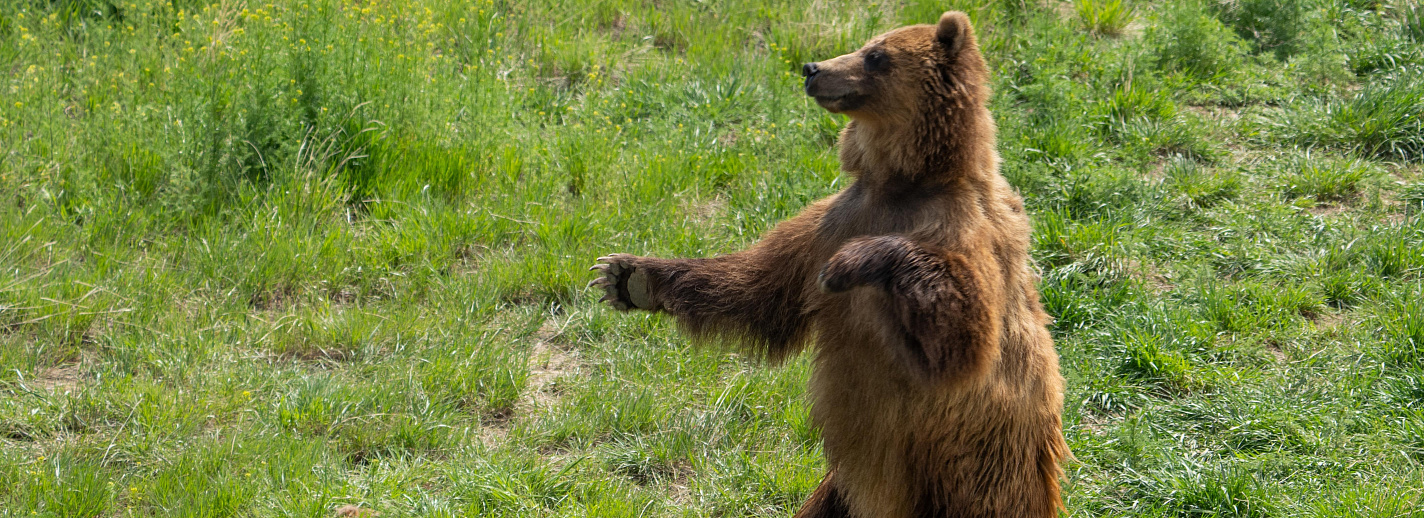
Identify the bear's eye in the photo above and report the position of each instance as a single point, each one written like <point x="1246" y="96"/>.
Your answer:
<point x="876" y="61"/>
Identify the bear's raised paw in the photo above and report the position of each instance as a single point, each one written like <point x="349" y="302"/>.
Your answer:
<point x="863" y="261"/>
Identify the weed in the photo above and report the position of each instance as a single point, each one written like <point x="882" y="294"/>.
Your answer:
<point x="1412" y="196"/>
<point x="1105" y="17"/>
<point x="1149" y="358"/>
<point x="1325" y="179"/>
<point x="1200" y="187"/>
<point x="1129" y="103"/>
<point x="1189" y="40"/>
<point x="1400" y="326"/>
<point x="1411" y="23"/>
<point x="1383" y="119"/>
<point x="1273" y="25"/>
<point x="68" y="484"/>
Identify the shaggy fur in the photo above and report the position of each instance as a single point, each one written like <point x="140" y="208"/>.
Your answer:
<point x="935" y="383"/>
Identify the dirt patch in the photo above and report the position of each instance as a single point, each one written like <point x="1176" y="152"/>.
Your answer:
<point x="317" y="355"/>
<point x="548" y="362"/>
<point x="1066" y="11"/>
<point x="469" y="258"/>
<point x="351" y="511"/>
<point x="1215" y="112"/>
<point x="274" y="300"/>
<point x="728" y="139"/>
<point x="680" y="490"/>
<point x="1327" y="210"/>
<point x="1133" y="30"/>
<point x="343" y="296"/>
<point x="1277" y="353"/>
<point x="1095" y="424"/>
<point x="1327" y="321"/>
<point x="60" y="379"/>
<point x="1157" y="172"/>
<point x="614" y="27"/>
<point x="704" y="211"/>
<point x="1148" y="273"/>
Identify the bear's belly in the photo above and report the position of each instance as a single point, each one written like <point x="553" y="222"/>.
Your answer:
<point x="896" y="441"/>
<point x="869" y="410"/>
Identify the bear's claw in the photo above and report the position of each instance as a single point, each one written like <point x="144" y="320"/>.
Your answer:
<point x="613" y="278"/>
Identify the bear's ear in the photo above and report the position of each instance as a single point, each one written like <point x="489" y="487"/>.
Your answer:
<point x="954" y="32"/>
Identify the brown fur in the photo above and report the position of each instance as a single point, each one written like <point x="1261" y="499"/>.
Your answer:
<point x="936" y="384"/>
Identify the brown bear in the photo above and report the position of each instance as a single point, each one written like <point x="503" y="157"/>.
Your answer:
<point x="935" y="381"/>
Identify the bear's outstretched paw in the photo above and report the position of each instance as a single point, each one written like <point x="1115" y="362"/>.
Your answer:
<point x="625" y="286"/>
<point x="611" y="275"/>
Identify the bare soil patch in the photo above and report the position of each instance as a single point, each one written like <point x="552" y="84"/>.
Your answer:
<point x="1276" y="352"/>
<point x="58" y="379"/>
<point x="1327" y="210"/>
<point x="548" y="362"/>
<point x="351" y="511"/>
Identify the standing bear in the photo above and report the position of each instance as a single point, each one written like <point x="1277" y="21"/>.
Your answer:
<point x="935" y="381"/>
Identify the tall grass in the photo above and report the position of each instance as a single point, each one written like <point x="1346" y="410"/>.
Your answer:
<point x="1384" y="119"/>
<point x="1105" y="17"/>
<point x="1276" y="26"/>
<point x="1191" y="41"/>
<point x="1326" y="179"/>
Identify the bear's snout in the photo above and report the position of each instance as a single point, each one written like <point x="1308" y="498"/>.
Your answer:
<point x="838" y="84"/>
<point x="809" y="71"/>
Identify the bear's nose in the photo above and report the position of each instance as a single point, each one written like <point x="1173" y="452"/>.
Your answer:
<point x="809" y="70"/>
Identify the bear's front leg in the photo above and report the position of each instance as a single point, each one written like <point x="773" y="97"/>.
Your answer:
<point x="754" y="297"/>
<point x="938" y="301"/>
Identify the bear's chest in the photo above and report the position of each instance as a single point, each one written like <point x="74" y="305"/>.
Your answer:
<point x="860" y="211"/>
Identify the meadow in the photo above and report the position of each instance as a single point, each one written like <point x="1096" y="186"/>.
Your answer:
<point x="271" y="258"/>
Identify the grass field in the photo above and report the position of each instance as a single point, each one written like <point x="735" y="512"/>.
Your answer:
<point x="274" y="258"/>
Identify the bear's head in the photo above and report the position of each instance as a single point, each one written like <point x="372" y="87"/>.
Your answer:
<point x="916" y="97"/>
<point x="900" y="73"/>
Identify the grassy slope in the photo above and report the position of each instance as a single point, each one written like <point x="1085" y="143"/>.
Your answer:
<point x="273" y="258"/>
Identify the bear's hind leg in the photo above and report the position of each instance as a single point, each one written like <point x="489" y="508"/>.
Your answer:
<point x="825" y="502"/>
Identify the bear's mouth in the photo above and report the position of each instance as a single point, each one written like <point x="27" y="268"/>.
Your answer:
<point x="840" y="103"/>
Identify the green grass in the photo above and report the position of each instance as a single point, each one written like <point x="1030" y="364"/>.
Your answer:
<point x="1325" y="180"/>
<point x="1191" y="41"/>
<point x="270" y="258"/>
<point x="1383" y="119"/>
<point x="1105" y="17"/>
